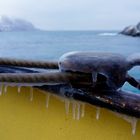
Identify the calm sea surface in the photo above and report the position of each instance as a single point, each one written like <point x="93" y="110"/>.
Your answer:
<point x="50" y="45"/>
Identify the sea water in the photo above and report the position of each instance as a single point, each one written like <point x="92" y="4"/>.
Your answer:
<point x="50" y="45"/>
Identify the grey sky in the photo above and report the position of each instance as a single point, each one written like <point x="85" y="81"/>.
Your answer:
<point x="74" y="14"/>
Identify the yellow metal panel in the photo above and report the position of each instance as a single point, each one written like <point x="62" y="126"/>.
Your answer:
<point x="21" y="119"/>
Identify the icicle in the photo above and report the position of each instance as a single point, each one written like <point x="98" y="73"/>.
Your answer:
<point x="83" y="110"/>
<point x="74" y="110"/>
<point x="47" y="100"/>
<point x="134" y="125"/>
<point x="131" y="120"/>
<point x="1" y="89"/>
<point x="31" y="94"/>
<point x="19" y="89"/>
<point x="78" y="111"/>
<point x="67" y="106"/>
<point x="5" y="89"/>
<point x="97" y="113"/>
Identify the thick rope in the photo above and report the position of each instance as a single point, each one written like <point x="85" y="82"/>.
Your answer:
<point x="52" y="77"/>
<point x="31" y="64"/>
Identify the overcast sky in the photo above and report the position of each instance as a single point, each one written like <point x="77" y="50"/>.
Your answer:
<point x="74" y="14"/>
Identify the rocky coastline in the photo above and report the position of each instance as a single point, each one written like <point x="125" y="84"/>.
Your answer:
<point x="132" y="30"/>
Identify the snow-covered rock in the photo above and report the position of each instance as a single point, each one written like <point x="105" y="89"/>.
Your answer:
<point x="133" y="30"/>
<point x="10" y="24"/>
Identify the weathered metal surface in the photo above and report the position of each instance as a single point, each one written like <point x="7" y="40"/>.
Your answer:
<point x="77" y="74"/>
<point x="110" y="68"/>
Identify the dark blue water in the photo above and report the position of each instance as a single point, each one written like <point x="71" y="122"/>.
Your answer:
<point x="50" y="45"/>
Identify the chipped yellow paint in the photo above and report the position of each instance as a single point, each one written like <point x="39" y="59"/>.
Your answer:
<point x="21" y="119"/>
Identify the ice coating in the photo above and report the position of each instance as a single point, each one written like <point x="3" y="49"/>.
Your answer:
<point x="134" y="125"/>
<point x="111" y="66"/>
<point x="83" y="110"/>
<point x="67" y="106"/>
<point x="78" y="108"/>
<point x="0" y="89"/>
<point x="19" y="89"/>
<point x="19" y="85"/>
<point x="5" y="88"/>
<point x="12" y="84"/>
<point x="78" y="111"/>
<point x="47" y="100"/>
<point x="91" y="61"/>
<point x="74" y="110"/>
<point x="31" y="94"/>
<point x="131" y="120"/>
<point x="98" y="113"/>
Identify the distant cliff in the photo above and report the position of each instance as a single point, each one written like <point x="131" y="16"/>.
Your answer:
<point x="10" y="24"/>
<point x="133" y="30"/>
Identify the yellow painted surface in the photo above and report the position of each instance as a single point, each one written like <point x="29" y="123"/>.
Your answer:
<point x="21" y="119"/>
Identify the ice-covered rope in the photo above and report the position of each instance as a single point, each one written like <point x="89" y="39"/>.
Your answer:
<point x="29" y="63"/>
<point x="52" y="77"/>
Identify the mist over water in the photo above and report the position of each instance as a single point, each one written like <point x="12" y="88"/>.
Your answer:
<point x="50" y="45"/>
